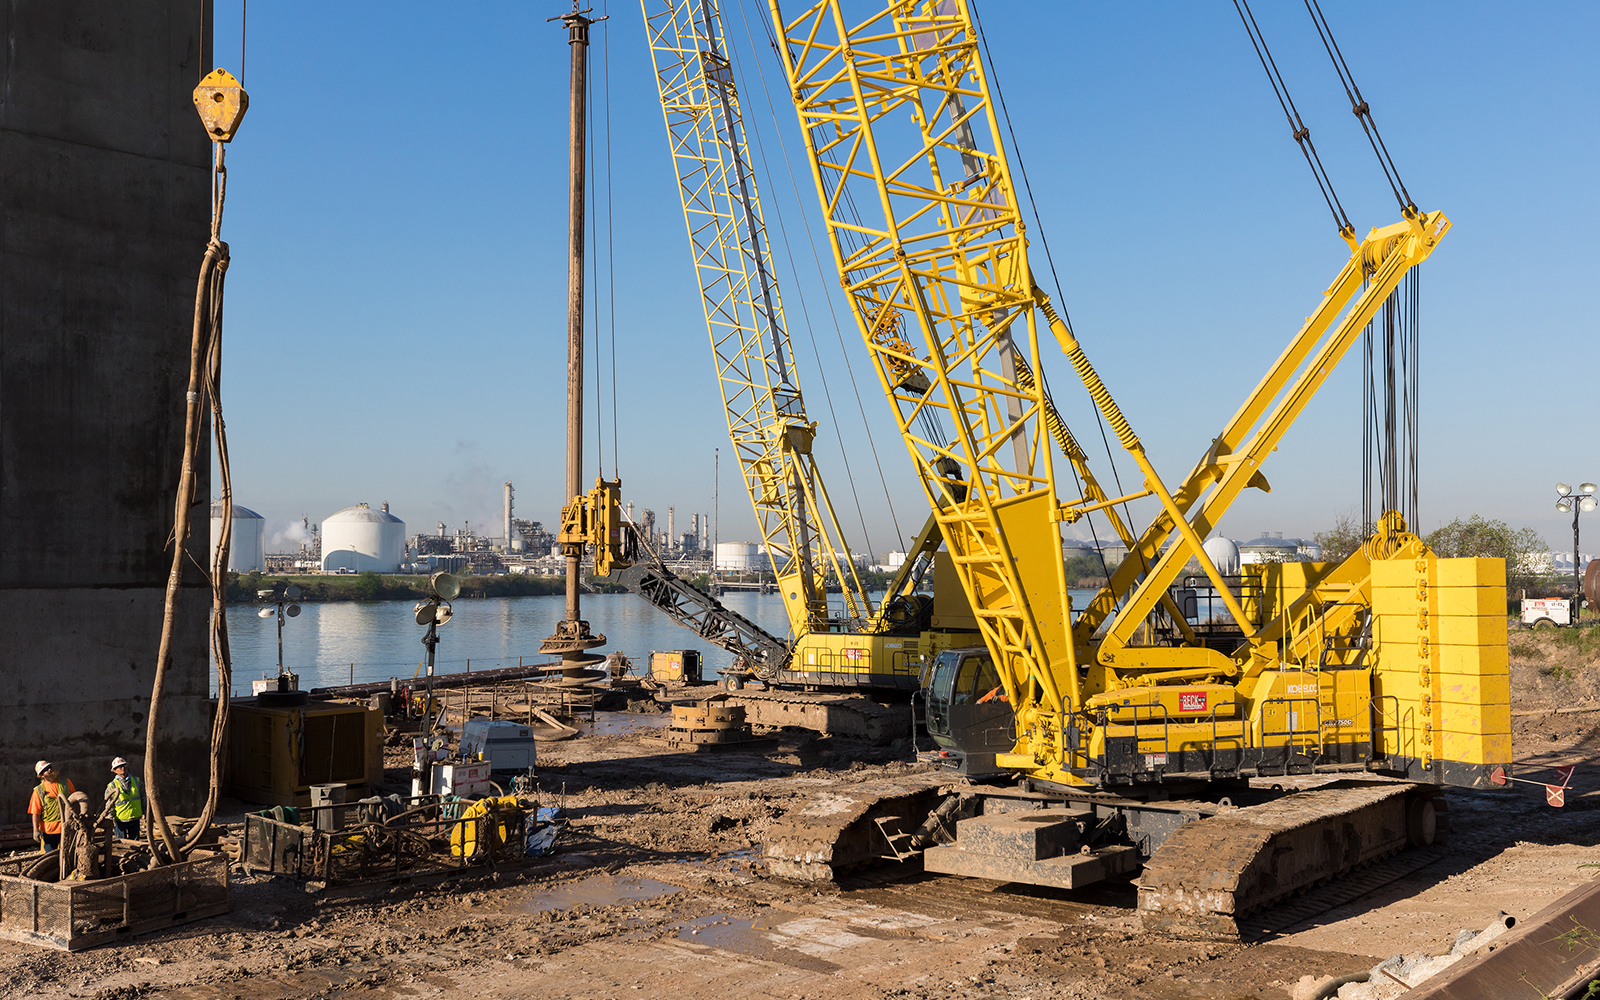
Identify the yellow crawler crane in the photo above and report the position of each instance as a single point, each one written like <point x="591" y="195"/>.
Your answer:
<point x="872" y="648"/>
<point x="1389" y="664"/>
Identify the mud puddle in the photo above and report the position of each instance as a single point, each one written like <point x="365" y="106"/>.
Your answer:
<point x="762" y="938"/>
<point x="597" y="890"/>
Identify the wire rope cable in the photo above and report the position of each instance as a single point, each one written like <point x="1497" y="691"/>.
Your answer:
<point x="753" y="130"/>
<point x="1302" y="134"/>
<point x="592" y="316"/>
<point x="1055" y="279"/>
<point x="1359" y="107"/>
<point x="611" y="241"/>
<point x="822" y="275"/>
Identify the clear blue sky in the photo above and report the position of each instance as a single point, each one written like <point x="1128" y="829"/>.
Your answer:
<point x="397" y="218"/>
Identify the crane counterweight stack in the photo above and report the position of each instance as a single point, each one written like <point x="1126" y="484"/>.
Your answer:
<point x="1111" y="709"/>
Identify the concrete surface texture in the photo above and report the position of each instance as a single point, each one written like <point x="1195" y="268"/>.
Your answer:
<point x="104" y="216"/>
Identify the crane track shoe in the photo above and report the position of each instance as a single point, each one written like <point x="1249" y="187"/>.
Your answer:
<point x="1215" y="870"/>
<point x="839" y="831"/>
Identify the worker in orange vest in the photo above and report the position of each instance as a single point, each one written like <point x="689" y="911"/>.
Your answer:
<point x="45" y="807"/>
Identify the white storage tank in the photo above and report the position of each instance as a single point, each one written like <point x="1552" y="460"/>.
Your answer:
<point x="737" y="557"/>
<point x="1224" y="554"/>
<point x="361" y="540"/>
<point x="245" y="554"/>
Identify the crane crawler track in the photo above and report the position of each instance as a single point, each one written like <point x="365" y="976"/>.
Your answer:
<point x="1213" y="871"/>
<point x="832" y="714"/>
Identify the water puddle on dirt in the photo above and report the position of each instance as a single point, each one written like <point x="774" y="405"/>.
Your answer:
<point x="614" y="723"/>
<point x="598" y="890"/>
<point x="760" y="938"/>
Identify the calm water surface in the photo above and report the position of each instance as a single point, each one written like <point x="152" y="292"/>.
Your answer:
<point x="341" y="642"/>
<point x="375" y="640"/>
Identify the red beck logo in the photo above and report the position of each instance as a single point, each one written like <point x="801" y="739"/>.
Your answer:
<point x="1192" y="701"/>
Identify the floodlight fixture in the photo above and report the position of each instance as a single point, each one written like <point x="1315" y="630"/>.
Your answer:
<point x="1587" y="504"/>
<point x="447" y="586"/>
<point x="1588" y="488"/>
<point x="292" y="592"/>
<point x="266" y="613"/>
<point x="1564" y="506"/>
<point x="1562" y="490"/>
<point x="293" y="611"/>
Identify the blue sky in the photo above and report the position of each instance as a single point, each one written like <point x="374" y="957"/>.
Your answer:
<point x="397" y="218"/>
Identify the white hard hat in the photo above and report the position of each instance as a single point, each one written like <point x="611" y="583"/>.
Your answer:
<point x="119" y="762"/>
<point x="41" y="767"/>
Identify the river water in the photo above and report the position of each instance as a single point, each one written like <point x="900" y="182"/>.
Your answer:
<point x="354" y="641"/>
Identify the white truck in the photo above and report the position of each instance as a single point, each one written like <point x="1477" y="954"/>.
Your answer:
<point x="1544" y="612"/>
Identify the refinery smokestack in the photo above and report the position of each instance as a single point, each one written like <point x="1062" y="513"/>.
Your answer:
<point x="672" y="529"/>
<point x="705" y="532"/>
<point x="694" y="528"/>
<point x="507" y="535"/>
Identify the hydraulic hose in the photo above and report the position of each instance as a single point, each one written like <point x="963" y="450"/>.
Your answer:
<point x="221" y="103"/>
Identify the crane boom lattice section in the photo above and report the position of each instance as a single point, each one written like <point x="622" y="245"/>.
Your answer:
<point x="767" y="421"/>
<point x="929" y="242"/>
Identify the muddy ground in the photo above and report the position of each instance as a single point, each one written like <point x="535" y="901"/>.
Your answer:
<point x="656" y="889"/>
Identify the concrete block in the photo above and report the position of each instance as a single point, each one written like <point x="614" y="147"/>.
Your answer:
<point x="1031" y="835"/>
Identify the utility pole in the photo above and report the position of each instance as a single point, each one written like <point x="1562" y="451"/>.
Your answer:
<point x="572" y="636"/>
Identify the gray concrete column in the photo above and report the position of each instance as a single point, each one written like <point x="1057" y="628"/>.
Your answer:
<point x="104" y="214"/>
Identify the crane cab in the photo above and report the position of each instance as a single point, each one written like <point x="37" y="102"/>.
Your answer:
<point x="969" y="715"/>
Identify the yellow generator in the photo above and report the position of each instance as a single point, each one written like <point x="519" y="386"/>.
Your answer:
<point x="276" y="754"/>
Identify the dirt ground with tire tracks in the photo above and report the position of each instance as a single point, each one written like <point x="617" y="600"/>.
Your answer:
<point x="657" y="889"/>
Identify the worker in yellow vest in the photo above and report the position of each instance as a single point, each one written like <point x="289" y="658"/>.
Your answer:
<point x="125" y="796"/>
<point x="44" y="808"/>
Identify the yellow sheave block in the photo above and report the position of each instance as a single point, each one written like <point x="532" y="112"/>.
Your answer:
<point x="1440" y="572"/>
<point x="1469" y="748"/>
<point x="1458" y="689"/>
<point x="1448" y="630"/>
<point x="1441" y="600"/>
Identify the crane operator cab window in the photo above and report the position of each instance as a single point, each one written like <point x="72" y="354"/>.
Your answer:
<point x="977" y="681"/>
<point x="968" y="712"/>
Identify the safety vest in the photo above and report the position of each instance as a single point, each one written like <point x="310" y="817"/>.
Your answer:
<point x="50" y="806"/>
<point x="129" y="799"/>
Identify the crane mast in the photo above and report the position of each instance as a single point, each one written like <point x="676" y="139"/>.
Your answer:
<point x="767" y="422"/>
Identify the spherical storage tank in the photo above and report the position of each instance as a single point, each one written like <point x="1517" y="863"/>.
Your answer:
<point x="737" y="557"/>
<point x="1224" y="554"/>
<point x="244" y="550"/>
<point x="363" y="540"/>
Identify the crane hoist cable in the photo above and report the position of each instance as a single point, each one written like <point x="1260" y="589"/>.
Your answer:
<point x="1055" y="278"/>
<point x="822" y="276"/>
<point x="753" y="129"/>
<point x="221" y="103"/>
<point x="611" y="241"/>
<point x="1302" y="134"/>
